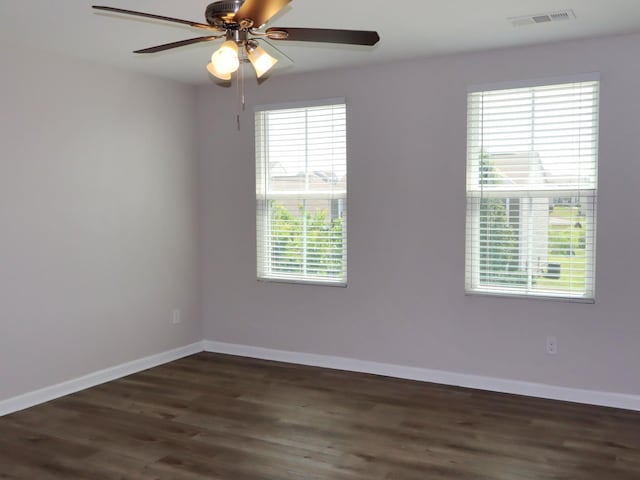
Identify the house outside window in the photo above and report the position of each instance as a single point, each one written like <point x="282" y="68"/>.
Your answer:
<point x="532" y="155"/>
<point x="301" y="193"/>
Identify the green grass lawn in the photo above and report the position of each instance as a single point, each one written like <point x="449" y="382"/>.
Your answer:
<point x="566" y="211"/>
<point x="562" y="238"/>
<point x="572" y="269"/>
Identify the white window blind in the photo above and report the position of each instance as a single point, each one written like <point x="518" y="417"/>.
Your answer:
<point x="531" y="190"/>
<point x="301" y="193"/>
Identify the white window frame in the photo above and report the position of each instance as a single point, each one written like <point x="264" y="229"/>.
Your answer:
<point x="264" y="197"/>
<point x="473" y="285"/>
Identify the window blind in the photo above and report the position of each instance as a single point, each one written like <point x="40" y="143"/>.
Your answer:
<point x="301" y="193"/>
<point x="531" y="190"/>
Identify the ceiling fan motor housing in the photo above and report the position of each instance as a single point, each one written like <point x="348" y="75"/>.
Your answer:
<point x="222" y="14"/>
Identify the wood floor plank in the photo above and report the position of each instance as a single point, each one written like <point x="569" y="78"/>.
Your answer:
<point x="219" y="417"/>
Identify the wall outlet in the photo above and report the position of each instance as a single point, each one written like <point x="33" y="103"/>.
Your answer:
<point x="176" y="317"/>
<point x="552" y="345"/>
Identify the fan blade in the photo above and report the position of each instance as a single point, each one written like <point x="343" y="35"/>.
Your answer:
<point x="181" y="43"/>
<point x="325" y="35"/>
<point x="260" y="11"/>
<point x="156" y="17"/>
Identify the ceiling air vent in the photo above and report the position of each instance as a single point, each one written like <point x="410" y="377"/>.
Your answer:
<point x="558" y="16"/>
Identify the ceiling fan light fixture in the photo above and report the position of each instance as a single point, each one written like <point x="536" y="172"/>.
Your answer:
<point x="262" y="62"/>
<point x="239" y="22"/>
<point x="213" y="71"/>
<point x="225" y="60"/>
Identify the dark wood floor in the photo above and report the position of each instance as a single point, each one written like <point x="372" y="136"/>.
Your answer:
<point x="212" y="416"/>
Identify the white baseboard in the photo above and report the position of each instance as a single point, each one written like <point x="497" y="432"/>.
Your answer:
<point x="590" y="397"/>
<point x="61" y="389"/>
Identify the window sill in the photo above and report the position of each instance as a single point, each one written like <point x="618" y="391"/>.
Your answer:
<point x="295" y="281"/>
<point x="541" y="296"/>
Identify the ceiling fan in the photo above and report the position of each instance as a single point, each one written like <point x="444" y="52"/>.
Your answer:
<point x="239" y="22"/>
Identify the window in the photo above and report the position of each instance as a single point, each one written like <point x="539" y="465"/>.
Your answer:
<point x="301" y="193"/>
<point x="531" y="190"/>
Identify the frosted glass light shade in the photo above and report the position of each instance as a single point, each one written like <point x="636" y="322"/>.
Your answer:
<point x="222" y="76"/>
<point x="225" y="59"/>
<point x="261" y="60"/>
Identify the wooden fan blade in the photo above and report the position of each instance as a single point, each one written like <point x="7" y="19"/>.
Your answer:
<point x="324" y="35"/>
<point x="156" y="17"/>
<point x="181" y="43"/>
<point x="260" y="11"/>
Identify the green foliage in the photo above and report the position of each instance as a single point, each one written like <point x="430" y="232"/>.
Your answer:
<point x="499" y="246"/>
<point x="318" y="253"/>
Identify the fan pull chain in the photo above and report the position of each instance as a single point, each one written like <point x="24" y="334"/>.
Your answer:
<point x="241" y="96"/>
<point x="238" y="97"/>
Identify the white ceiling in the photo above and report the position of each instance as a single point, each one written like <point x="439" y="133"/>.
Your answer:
<point x="408" y="29"/>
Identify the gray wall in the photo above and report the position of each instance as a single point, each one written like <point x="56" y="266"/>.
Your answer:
<point x="405" y="303"/>
<point x="98" y="218"/>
